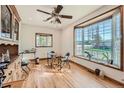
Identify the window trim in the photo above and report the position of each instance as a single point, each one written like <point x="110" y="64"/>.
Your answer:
<point x="16" y="22"/>
<point x="43" y="34"/>
<point x="122" y="38"/>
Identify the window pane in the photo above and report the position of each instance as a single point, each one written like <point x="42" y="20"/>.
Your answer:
<point x="117" y="40"/>
<point x="49" y="41"/>
<point x="78" y="42"/>
<point x="87" y="41"/>
<point x="38" y="40"/>
<point x="105" y="41"/>
<point x="43" y="40"/>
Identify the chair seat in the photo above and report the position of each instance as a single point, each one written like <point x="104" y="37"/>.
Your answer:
<point x="25" y="62"/>
<point x="63" y="60"/>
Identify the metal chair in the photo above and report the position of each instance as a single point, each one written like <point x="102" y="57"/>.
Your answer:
<point x="25" y="63"/>
<point x="2" y="76"/>
<point x="51" y="57"/>
<point x="65" y="60"/>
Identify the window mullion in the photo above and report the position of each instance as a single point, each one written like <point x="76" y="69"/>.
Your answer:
<point x="82" y="42"/>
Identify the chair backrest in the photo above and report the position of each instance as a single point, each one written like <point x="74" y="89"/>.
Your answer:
<point x="52" y="52"/>
<point x="67" y="55"/>
<point x="49" y="54"/>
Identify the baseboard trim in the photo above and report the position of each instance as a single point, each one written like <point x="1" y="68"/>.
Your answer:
<point x="113" y="80"/>
<point x="43" y="58"/>
<point x="39" y="59"/>
<point x="92" y="71"/>
<point x="88" y="69"/>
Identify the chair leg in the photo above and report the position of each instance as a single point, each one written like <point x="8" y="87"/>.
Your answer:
<point x="1" y="80"/>
<point x="24" y="70"/>
<point x="69" y="65"/>
<point x="52" y="61"/>
<point x="58" y="64"/>
<point x="28" y="68"/>
<point x="61" y="65"/>
<point x="2" y="71"/>
<point x="48" y="61"/>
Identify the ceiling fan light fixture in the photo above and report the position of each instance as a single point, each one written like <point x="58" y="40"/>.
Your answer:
<point x="55" y="14"/>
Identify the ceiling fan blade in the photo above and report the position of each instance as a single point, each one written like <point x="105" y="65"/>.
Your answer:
<point x="48" y="19"/>
<point x="58" y="20"/>
<point x="58" y="9"/>
<point x="43" y="12"/>
<point x="66" y="16"/>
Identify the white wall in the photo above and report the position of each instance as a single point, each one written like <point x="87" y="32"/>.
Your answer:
<point x="67" y="45"/>
<point x="27" y="39"/>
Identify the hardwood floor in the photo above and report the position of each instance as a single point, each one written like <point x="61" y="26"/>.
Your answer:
<point x="41" y="76"/>
<point x="15" y="84"/>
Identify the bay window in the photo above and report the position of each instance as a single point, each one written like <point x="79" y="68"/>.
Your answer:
<point x="100" y="41"/>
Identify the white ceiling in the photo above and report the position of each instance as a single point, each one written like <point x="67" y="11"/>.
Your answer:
<point x="29" y="15"/>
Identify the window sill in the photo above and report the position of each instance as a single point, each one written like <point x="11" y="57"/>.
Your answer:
<point x="107" y="65"/>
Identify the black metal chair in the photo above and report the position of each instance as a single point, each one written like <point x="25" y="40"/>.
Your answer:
<point x="2" y="76"/>
<point x="25" y="65"/>
<point x="65" y="60"/>
<point x="51" y="58"/>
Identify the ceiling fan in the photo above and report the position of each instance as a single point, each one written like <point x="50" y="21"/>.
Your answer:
<point x="55" y="14"/>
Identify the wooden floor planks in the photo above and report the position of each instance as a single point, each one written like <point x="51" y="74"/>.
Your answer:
<point x="41" y="76"/>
